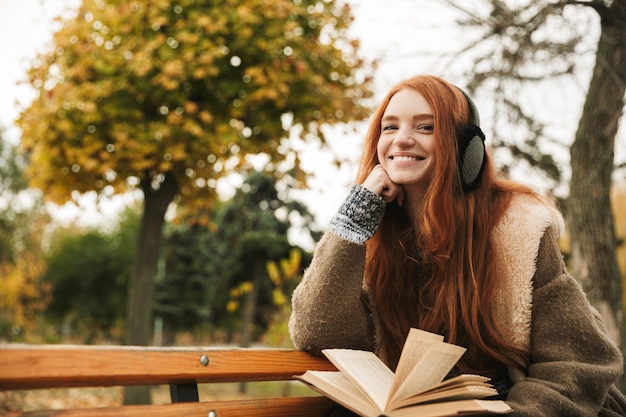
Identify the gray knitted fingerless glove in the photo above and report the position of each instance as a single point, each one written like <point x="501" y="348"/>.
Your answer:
<point x="359" y="216"/>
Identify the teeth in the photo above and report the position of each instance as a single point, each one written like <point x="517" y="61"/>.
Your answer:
<point x="404" y="158"/>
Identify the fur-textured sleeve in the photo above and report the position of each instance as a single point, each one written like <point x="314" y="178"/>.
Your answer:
<point x="573" y="363"/>
<point x="329" y="306"/>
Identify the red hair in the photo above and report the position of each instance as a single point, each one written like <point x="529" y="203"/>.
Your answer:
<point x="436" y="273"/>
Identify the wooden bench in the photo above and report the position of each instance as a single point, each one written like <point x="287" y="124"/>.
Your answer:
<point x="27" y="367"/>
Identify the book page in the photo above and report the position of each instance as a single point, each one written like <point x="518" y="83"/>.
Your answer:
<point x="458" y="381"/>
<point x="453" y="408"/>
<point x="366" y="370"/>
<point x="460" y="392"/>
<point x="416" y="344"/>
<point x="431" y="369"/>
<point x="337" y="387"/>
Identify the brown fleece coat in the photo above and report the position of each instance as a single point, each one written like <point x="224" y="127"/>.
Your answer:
<point x="573" y="364"/>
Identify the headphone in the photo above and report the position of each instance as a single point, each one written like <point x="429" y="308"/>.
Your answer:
<point x="471" y="148"/>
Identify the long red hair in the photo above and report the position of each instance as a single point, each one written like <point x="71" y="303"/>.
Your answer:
<point x="436" y="273"/>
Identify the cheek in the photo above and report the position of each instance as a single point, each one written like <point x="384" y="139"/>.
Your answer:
<point x="429" y="145"/>
<point x="381" y="148"/>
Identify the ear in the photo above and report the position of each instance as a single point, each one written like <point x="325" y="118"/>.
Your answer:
<point x="471" y="157"/>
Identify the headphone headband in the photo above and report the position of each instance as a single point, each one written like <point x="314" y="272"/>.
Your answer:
<point x="474" y="116"/>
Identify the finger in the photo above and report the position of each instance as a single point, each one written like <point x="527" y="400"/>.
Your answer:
<point x="392" y="191"/>
<point x="377" y="180"/>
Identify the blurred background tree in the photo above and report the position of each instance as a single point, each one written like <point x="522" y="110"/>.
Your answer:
<point x="88" y="273"/>
<point x="188" y="281"/>
<point x="203" y="265"/>
<point x="170" y="96"/>
<point x="285" y="276"/>
<point x="205" y="273"/>
<point x="23" y="218"/>
<point x="254" y="226"/>
<point x="519" y="47"/>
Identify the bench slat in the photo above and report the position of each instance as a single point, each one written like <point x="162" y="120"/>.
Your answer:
<point x="64" y="366"/>
<point x="264" y="407"/>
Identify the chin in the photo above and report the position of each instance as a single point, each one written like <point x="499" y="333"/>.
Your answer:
<point x="403" y="180"/>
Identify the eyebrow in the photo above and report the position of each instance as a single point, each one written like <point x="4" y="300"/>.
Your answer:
<point x="424" y="116"/>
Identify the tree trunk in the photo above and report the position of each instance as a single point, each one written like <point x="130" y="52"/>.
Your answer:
<point x="593" y="241"/>
<point x="141" y="286"/>
<point x="249" y="313"/>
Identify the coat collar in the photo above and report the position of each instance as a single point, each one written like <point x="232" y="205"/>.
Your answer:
<point x="516" y="238"/>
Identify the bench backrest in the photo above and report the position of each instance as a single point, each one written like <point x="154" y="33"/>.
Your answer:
<point x="56" y="366"/>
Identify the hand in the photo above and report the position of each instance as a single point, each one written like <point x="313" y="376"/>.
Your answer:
<point x="379" y="183"/>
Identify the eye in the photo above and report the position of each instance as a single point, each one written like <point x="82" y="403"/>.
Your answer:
<point x="389" y="127"/>
<point x="425" y="127"/>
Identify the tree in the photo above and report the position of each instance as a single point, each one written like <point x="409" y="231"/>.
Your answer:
<point x="22" y="219"/>
<point x="202" y="266"/>
<point x="519" y="46"/>
<point x="187" y="284"/>
<point x="88" y="271"/>
<point x="169" y="96"/>
<point x="285" y="275"/>
<point x="254" y="226"/>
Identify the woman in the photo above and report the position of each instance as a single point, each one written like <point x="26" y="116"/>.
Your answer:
<point x="431" y="238"/>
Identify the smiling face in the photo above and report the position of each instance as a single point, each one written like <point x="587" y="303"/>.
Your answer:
<point x="406" y="145"/>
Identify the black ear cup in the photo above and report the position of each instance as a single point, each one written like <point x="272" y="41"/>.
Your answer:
<point x="471" y="142"/>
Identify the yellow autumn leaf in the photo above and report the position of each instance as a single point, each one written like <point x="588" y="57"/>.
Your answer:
<point x="273" y="273"/>
<point x="232" y="306"/>
<point x="278" y="298"/>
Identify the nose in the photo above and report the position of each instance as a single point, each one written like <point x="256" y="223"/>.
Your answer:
<point x="404" y="138"/>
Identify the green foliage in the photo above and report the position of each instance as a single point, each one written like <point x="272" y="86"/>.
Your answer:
<point x="88" y="271"/>
<point x="208" y="272"/>
<point x="184" y="288"/>
<point x="254" y="226"/>
<point x="201" y="269"/>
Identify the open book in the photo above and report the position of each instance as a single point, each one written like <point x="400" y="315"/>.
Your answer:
<point x="365" y="385"/>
